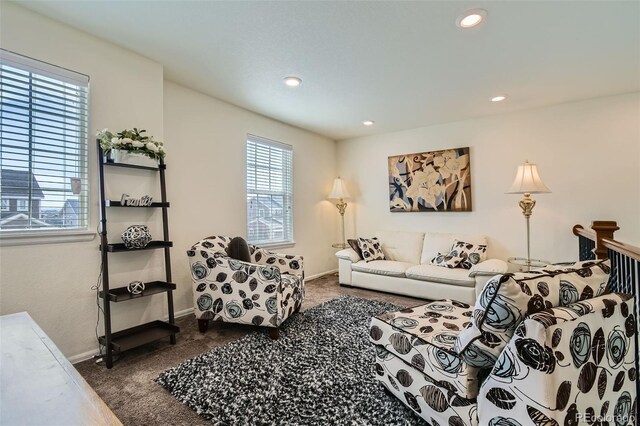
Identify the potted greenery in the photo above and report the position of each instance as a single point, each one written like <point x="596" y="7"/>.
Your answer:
<point x="131" y="147"/>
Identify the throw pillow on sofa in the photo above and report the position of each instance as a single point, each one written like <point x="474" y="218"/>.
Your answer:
<point x="462" y="255"/>
<point x="507" y="299"/>
<point x="371" y="249"/>
<point x="447" y="260"/>
<point x="354" y="245"/>
<point x="472" y="254"/>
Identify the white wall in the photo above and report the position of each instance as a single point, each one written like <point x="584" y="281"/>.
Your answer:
<point x="52" y="282"/>
<point x="587" y="154"/>
<point x="206" y="175"/>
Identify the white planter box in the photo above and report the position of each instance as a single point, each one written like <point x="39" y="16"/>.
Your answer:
<point x="126" y="157"/>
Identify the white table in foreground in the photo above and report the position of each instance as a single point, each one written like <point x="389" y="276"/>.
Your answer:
<point x="38" y="386"/>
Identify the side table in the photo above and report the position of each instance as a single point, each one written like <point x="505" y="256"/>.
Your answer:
<point x="521" y="264"/>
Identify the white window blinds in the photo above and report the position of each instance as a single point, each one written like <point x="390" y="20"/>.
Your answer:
<point x="43" y="146"/>
<point x="269" y="191"/>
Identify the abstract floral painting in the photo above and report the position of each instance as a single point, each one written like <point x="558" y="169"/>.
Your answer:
<point x="430" y="181"/>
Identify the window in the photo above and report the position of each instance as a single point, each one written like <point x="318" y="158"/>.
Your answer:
<point x="43" y="146"/>
<point x="269" y="191"/>
<point x="22" y="205"/>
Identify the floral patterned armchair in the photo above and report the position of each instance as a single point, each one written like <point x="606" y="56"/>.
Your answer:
<point x="548" y="348"/>
<point x="264" y="292"/>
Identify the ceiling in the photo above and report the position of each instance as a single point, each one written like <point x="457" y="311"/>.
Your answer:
<point x="402" y="64"/>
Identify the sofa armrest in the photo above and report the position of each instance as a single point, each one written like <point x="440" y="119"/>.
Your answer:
<point x="348" y="254"/>
<point x="287" y="263"/>
<point x="563" y="363"/>
<point x="489" y="267"/>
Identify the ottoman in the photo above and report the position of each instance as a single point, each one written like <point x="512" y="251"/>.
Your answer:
<point x="415" y="361"/>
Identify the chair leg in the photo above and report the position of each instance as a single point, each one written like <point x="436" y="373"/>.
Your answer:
<point x="274" y="333"/>
<point x="203" y="324"/>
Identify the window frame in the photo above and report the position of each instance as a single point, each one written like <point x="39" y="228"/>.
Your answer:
<point x="12" y="237"/>
<point x="286" y="242"/>
<point x="22" y="205"/>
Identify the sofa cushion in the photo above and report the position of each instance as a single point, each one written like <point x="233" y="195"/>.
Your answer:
<point x="382" y="267"/>
<point x="507" y="299"/>
<point x="438" y="274"/>
<point x="401" y="246"/>
<point x="440" y="242"/>
<point x="370" y="249"/>
<point x="423" y="337"/>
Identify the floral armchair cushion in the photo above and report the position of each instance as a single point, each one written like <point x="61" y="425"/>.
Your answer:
<point x="423" y="337"/>
<point x="264" y="293"/>
<point x="567" y="365"/>
<point x="507" y="299"/>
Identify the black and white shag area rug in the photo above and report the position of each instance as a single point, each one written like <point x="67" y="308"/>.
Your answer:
<point x="319" y="372"/>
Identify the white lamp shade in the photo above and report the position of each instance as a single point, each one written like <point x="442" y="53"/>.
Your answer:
<point x="527" y="181"/>
<point x="339" y="190"/>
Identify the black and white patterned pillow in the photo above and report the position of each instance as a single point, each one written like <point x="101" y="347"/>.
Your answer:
<point x="471" y="254"/>
<point x="447" y="260"/>
<point x="371" y="249"/>
<point x="506" y="299"/>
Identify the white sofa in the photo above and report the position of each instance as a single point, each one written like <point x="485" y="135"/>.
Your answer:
<point x="407" y="267"/>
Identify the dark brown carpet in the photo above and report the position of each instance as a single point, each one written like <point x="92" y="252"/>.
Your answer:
<point x="129" y="388"/>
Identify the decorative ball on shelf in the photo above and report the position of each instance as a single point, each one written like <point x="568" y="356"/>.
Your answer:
<point x="136" y="237"/>
<point x="135" y="287"/>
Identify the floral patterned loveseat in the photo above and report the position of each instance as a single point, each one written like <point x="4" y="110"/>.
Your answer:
<point x="546" y="348"/>
<point x="264" y="292"/>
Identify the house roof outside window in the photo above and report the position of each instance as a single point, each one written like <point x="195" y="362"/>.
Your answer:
<point x="15" y="184"/>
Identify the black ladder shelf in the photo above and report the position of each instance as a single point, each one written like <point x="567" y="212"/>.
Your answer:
<point x="155" y="330"/>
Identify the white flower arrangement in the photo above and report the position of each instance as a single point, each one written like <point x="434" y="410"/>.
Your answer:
<point x="132" y="141"/>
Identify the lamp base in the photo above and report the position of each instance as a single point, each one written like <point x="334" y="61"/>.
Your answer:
<point x="340" y="245"/>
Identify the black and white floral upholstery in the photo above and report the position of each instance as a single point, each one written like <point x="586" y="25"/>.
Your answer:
<point x="371" y="249"/>
<point x="462" y="255"/>
<point x="472" y="254"/>
<point x="449" y="260"/>
<point x="571" y="364"/>
<point x="567" y="366"/>
<point x="265" y="292"/>
<point x="507" y="299"/>
<point x="434" y="400"/>
<point x="423" y="337"/>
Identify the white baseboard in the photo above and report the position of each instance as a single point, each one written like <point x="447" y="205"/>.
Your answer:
<point x="182" y="313"/>
<point x="321" y="274"/>
<point x="74" y="359"/>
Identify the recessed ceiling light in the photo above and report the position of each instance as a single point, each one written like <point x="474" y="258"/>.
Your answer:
<point x="471" y="18"/>
<point x="293" y="81"/>
<point x="499" y="98"/>
<point x="368" y="122"/>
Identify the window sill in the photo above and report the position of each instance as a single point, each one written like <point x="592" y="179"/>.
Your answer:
<point x="57" y="237"/>
<point x="284" y="244"/>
